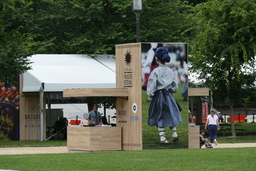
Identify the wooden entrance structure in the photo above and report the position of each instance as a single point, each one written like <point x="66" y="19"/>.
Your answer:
<point x="128" y="103"/>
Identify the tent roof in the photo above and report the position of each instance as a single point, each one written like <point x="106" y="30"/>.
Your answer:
<point x="67" y="71"/>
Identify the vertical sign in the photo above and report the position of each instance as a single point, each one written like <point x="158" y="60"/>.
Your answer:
<point x="128" y="75"/>
<point x="29" y="118"/>
<point x="204" y="111"/>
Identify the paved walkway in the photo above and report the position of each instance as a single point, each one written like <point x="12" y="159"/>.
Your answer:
<point x="63" y="149"/>
<point x="234" y="145"/>
<point x="33" y="150"/>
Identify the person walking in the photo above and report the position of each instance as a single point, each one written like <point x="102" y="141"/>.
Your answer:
<point x="213" y="126"/>
<point x="164" y="111"/>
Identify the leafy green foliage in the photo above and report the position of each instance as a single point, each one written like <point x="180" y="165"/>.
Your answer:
<point x="14" y="38"/>
<point x="85" y="27"/>
<point x="94" y="27"/>
<point x="224" y="44"/>
<point x="163" y="21"/>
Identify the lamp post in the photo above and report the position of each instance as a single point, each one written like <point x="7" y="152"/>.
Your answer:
<point x="137" y="8"/>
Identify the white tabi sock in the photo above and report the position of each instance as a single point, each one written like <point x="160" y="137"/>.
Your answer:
<point x="174" y="132"/>
<point x="161" y="133"/>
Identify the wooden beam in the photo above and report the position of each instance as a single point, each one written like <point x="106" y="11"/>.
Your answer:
<point x="96" y="92"/>
<point x="198" y="91"/>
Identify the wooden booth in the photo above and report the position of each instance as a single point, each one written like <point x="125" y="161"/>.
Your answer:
<point x="36" y="86"/>
<point x="127" y="135"/>
<point x="193" y="131"/>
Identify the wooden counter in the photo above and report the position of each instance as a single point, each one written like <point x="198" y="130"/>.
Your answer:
<point x="94" y="138"/>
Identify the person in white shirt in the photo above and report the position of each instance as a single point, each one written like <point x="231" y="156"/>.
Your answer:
<point x="213" y="126"/>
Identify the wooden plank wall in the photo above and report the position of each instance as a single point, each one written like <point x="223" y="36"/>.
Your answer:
<point x="198" y="91"/>
<point x="193" y="137"/>
<point x="94" y="138"/>
<point x="30" y="116"/>
<point x="129" y="112"/>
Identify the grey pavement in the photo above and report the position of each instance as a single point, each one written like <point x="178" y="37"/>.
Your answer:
<point x="64" y="149"/>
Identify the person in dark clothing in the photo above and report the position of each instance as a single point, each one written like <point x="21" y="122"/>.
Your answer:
<point x="204" y="141"/>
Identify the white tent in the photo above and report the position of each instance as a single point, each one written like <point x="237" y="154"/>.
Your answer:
<point x="54" y="73"/>
<point x="66" y="71"/>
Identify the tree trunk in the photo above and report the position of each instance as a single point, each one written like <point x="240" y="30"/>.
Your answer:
<point x="198" y="112"/>
<point x="232" y="120"/>
<point x="211" y="99"/>
<point x="246" y="108"/>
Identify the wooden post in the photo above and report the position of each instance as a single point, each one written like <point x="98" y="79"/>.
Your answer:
<point x="30" y="116"/>
<point x="193" y="131"/>
<point x="129" y="112"/>
<point x="193" y="137"/>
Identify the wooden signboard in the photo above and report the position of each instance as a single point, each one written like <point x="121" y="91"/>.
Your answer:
<point x="30" y="116"/>
<point x="193" y="137"/>
<point x="129" y="112"/>
<point x="198" y="92"/>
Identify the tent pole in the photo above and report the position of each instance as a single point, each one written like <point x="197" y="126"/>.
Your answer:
<point x="41" y="96"/>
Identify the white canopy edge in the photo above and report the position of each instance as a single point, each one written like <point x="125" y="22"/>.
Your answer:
<point x="68" y="71"/>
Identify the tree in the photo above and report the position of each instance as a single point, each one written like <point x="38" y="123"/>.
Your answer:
<point x="195" y="2"/>
<point x="163" y="21"/>
<point x="14" y="39"/>
<point x="96" y="26"/>
<point x="224" y="45"/>
<point x="76" y="26"/>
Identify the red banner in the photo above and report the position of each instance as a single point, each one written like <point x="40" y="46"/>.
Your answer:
<point x="204" y="111"/>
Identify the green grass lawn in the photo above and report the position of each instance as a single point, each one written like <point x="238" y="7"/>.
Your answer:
<point x="241" y="159"/>
<point x="250" y="134"/>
